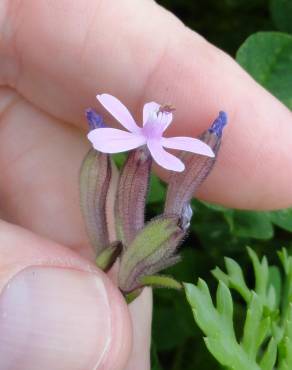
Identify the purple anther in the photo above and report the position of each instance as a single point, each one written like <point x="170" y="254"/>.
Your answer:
<point x="94" y="119"/>
<point x="218" y="124"/>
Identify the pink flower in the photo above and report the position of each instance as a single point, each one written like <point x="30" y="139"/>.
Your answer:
<point x="156" y="119"/>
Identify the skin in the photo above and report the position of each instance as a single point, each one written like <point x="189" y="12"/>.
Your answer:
<point x="55" y="56"/>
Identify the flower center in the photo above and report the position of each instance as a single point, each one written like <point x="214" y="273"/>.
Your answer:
<point x="155" y="125"/>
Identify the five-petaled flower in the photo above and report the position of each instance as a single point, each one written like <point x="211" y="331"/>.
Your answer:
<point x="156" y="119"/>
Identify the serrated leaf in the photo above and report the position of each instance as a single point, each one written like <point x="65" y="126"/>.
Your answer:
<point x="285" y="346"/>
<point x="261" y="273"/>
<point x="270" y="355"/>
<point x="221" y="276"/>
<point x="285" y="259"/>
<point x="200" y="300"/>
<point x="230" y="354"/>
<point x="267" y="56"/>
<point x="236" y="278"/>
<point x="224" y="305"/>
<point x="223" y="355"/>
<point x="275" y="282"/>
<point x="264" y="328"/>
<point x="251" y="339"/>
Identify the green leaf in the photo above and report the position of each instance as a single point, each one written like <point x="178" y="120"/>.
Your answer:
<point x="201" y="302"/>
<point x="224" y="305"/>
<point x="252" y="224"/>
<point x="269" y="358"/>
<point x="285" y="346"/>
<point x="281" y="11"/>
<point x="216" y="323"/>
<point x="267" y="56"/>
<point x="285" y="260"/>
<point x="275" y="282"/>
<point x="236" y="278"/>
<point x="282" y="218"/>
<point x="254" y="331"/>
<point x="261" y="271"/>
<point x="267" y="329"/>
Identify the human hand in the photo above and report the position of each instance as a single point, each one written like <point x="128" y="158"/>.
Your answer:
<point x="56" y="310"/>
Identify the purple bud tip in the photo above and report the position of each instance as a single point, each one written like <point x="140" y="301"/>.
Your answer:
<point x="94" y="119"/>
<point x="218" y="124"/>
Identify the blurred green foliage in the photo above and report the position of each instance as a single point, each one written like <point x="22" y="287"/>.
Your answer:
<point x="235" y="26"/>
<point x="225" y="23"/>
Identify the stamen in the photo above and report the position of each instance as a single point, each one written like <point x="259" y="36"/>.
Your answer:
<point x="166" y="108"/>
<point x="94" y="119"/>
<point x="218" y="124"/>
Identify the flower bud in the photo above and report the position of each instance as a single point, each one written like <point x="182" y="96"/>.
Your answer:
<point x="152" y="250"/>
<point x="131" y="195"/>
<point x="183" y="185"/>
<point x="95" y="182"/>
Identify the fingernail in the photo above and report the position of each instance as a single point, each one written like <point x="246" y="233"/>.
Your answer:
<point x="54" y="318"/>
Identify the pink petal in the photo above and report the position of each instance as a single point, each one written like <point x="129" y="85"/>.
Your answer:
<point x="111" y="140"/>
<point x="163" y="158"/>
<point x="188" y="144"/>
<point x="148" y="109"/>
<point x="119" y="111"/>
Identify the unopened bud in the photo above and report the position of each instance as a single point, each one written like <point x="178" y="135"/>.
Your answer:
<point x="182" y="186"/>
<point x="131" y="195"/>
<point x="95" y="182"/>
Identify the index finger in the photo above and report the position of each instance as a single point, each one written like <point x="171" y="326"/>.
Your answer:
<point x="60" y="53"/>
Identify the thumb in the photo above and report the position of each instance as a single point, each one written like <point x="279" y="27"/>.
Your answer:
<point x="56" y="310"/>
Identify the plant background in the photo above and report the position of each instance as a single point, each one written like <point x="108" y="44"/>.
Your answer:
<point x="249" y="31"/>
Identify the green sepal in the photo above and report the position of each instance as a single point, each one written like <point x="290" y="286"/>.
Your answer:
<point x="151" y="251"/>
<point x="130" y="297"/>
<point x="160" y="281"/>
<point x="108" y="256"/>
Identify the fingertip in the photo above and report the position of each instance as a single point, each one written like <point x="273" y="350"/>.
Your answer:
<point x="72" y="316"/>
